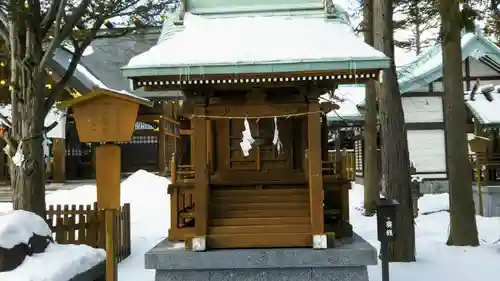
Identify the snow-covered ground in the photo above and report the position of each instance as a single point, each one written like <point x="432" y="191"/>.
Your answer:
<point x="150" y="220"/>
<point x="435" y="260"/>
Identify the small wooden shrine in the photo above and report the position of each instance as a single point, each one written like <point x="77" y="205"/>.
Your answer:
<point x="258" y="174"/>
<point x="483" y="103"/>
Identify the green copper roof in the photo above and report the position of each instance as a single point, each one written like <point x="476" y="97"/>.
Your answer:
<point x="200" y="7"/>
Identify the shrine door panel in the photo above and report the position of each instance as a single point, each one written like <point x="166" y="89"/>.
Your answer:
<point x="264" y="155"/>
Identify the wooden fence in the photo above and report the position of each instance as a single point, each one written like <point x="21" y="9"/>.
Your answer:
<point x="84" y="224"/>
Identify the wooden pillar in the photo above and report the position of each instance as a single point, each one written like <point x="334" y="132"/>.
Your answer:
<point x="338" y="152"/>
<point x="108" y="176"/>
<point x="3" y="163"/>
<point x="162" y="158"/>
<point x="209" y="146"/>
<point x="201" y="192"/>
<point x="315" y="170"/>
<point x="108" y="164"/>
<point x="191" y="143"/>
<point x="59" y="160"/>
<point x="111" y="262"/>
<point x="324" y="138"/>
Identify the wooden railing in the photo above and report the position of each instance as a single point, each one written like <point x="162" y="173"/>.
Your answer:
<point x="181" y="173"/>
<point x="84" y="224"/>
<point x="489" y="166"/>
<point x="347" y="169"/>
<point x="181" y="211"/>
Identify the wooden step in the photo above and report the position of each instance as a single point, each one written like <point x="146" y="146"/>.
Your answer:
<point x="259" y="206"/>
<point x="221" y="199"/>
<point x="256" y="229"/>
<point x="259" y="221"/>
<point x="249" y="213"/>
<point x="260" y="192"/>
<point x="234" y="241"/>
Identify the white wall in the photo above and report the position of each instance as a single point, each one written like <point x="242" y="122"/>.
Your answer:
<point x="427" y="150"/>
<point x="422" y="109"/>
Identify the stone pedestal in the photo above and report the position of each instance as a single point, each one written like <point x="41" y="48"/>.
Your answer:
<point x="346" y="262"/>
<point x="491" y="200"/>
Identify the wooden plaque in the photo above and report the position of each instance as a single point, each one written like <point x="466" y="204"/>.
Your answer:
<point x="105" y="118"/>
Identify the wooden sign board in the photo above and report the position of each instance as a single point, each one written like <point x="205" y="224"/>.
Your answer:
<point x="105" y="115"/>
<point x="479" y="144"/>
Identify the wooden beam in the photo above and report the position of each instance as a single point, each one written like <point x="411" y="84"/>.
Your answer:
<point x="238" y="76"/>
<point x="315" y="170"/>
<point x="255" y="111"/>
<point x="186" y="132"/>
<point x="201" y="192"/>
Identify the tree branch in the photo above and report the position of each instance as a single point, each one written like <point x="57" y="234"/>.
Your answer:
<point x="50" y="127"/>
<point x="63" y="33"/>
<point x="50" y="16"/>
<point x="77" y="54"/>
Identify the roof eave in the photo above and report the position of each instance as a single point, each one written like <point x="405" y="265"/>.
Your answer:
<point x="277" y="67"/>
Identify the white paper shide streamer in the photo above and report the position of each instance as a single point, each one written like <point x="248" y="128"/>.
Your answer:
<point x="247" y="140"/>
<point x="276" y="138"/>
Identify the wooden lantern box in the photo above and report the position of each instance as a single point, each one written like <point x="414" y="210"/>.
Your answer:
<point x="105" y="115"/>
<point x="478" y="144"/>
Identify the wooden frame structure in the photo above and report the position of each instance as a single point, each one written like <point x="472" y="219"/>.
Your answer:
<point x="267" y="199"/>
<point x="274" y="195"/>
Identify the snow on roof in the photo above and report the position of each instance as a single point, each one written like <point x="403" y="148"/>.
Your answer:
<point x="83" y="80"/>
<point x="257" y="40"/>
<point x="486" y="112"/>
<point x="428" y="66"/>
<point x="18" y="227"/>
<point x="347" y="97"/>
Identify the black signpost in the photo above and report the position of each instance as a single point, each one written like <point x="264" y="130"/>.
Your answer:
<point x="386" y="231"/>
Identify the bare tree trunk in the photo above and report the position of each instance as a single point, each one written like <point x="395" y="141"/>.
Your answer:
<point x="27" y="98"/>
<point x="463" y="229"/>
<point x="394" y="151"/>
<point x="371" y="182"/>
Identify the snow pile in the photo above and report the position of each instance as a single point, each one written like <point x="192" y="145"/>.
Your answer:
<point x="435" y="260"/>
<point x="17" y="227"/>
<point x="57" y="263"/>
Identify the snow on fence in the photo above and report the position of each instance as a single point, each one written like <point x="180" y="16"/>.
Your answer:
<point x="84" y="224"/>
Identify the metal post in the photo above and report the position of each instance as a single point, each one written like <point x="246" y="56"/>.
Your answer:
<point x="384" y="256"/>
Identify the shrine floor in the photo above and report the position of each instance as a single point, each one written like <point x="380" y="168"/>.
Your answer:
<point x="346" y="262"/>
